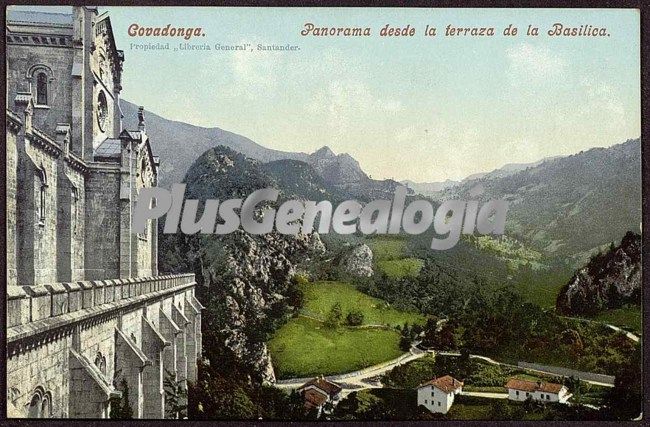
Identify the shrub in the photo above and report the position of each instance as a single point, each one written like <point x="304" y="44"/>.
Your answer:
<point x="354" y="318"/>
<point x="334" y="316"/>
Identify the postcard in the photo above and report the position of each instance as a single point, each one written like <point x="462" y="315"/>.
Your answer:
<point x="323" y="213"/>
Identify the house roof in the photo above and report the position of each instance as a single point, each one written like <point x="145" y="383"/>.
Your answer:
<point x="530" y="386"/>
<point x="328" y="387"/>
<point x="446" y="383"/>
<point x="314" y="398"/>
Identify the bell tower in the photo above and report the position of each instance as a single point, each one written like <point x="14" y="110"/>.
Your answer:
<point x="82" y="82"/>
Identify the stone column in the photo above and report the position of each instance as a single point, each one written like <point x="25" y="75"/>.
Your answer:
<point x="25" y="204"/>
<point x="83" y="82"/>
<point x="181" y="344"/>
<point x="14" y="126"/>
<point x="153" y="346"/>
<point x="193" y="315"/>
<point x="174" y="335"/>
<point x="170" y="331"/>
<point x="199" y="334"/>
<point x="64" y="213"/>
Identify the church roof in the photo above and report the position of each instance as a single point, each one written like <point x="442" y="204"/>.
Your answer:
<point x="135" y="135"/>
<point x="111" y="148"/>
<point x="39" y="17"/>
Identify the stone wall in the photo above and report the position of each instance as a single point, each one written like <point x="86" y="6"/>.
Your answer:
<point x="70" y="223"/>
<point x="36" y="215"/>
<point x="75" y="342"/>
<point x="103" y="215"/>
<point x="56" y="61"/>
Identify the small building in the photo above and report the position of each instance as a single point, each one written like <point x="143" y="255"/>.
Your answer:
<point x="438" y="394"/>
<point x="319" y="391"/>
<point x="521" y="390"/>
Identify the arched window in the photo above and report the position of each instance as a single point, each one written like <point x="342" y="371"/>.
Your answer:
<point x="46" y="406"/>
<point x="75" y="209"/>
<point x="41" y="185"/>
<point x="40" y="78"/>
<point x="41" y="88"/>
<point x="100" y="362"/>
<point x="102" y="66"/>
<point x="40" y="404"/>
<point x="34" y="409"/>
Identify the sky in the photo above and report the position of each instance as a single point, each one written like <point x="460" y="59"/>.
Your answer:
<point x="419" y="108"/>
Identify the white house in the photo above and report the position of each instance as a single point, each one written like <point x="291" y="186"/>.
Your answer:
<point x="521" y="390"/>
<point x="438" y="394"/>
<point x="318" y="391"/>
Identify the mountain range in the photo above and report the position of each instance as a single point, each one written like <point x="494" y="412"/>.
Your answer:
<point x="562" y="206"/>
<point x="179" y="144"/>
<point x="568" y="206"/>
<point x="434" y="188"/>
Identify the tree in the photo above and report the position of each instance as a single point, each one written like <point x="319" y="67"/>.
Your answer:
<point x="175" y="397"/>
<point x="354" y="318"/>
<point x="500" y="410"/>
<point x="625" y="400"/>
<point x="120" y="406"/>
<point x="334" y="316"/>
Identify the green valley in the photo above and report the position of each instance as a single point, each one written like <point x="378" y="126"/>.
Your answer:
<point x="306" y="346"/>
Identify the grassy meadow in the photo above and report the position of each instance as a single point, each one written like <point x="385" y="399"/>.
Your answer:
<point x="305" y="346"/>
<point x="321" y="296"/>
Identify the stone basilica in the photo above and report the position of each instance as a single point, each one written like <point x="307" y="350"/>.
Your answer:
<point x="90" y="320"/>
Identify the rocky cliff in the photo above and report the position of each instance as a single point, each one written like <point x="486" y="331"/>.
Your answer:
<point x="250" y="286"/>
<point x="609" y="280"/>
<point x="246" y="280"/>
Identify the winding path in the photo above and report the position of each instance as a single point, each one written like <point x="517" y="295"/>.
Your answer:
<point x="628" y="334"/>
<point x="355" y="380"/>
<point x="358" y="380"/>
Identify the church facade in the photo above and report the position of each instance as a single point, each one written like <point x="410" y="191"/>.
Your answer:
<point x="90" y="320"/>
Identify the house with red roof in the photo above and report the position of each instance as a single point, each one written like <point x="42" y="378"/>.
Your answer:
<point x="438" y="394"/>
<point x="318" y="391"/>
<point x="537" y="390"/>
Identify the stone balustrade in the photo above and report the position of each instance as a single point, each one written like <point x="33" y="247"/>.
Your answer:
<point x="75" y="345"/>
<point x="30" y="304"/>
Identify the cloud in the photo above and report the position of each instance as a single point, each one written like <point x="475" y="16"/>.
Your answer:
<point x="602" y="97"/>
<point x="254" y="73"/>
<point x="534" y="63"/>
<point x="345" y="105"/>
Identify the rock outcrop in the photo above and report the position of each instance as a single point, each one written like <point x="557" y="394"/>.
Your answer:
<point x="254" y="282"/>
<point x="609" y="280"/>
<point x="358" y="261"/>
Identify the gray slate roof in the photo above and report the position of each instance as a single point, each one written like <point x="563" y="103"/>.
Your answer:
<point x="111" y="147"/>
<point x="39" y="17"/>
